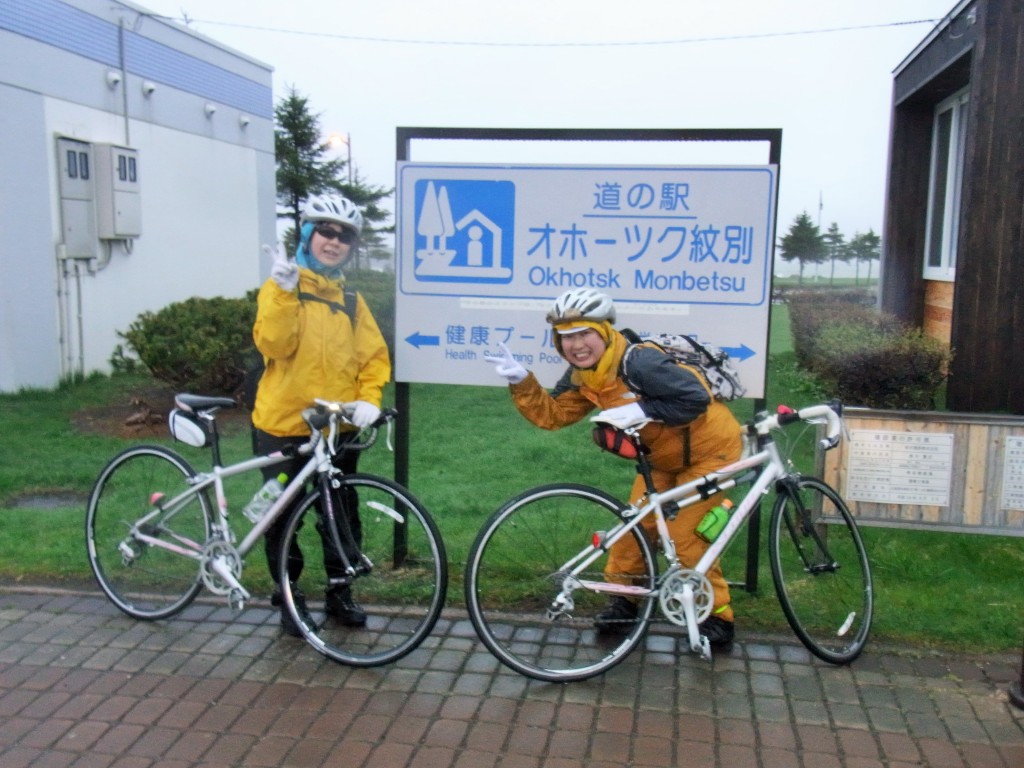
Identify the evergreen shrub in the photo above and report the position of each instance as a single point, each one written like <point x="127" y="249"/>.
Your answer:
<point x="200" y="344"/>
<point x="866" y="357"/>
<point x="205" y="345"/>
<point x="378" y="288"/>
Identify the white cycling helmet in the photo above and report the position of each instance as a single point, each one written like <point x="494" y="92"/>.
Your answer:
<point x="333" y="208"/>
<point x="582" y="304"/>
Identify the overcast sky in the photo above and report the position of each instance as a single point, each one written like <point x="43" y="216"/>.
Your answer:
<point x="820" y="70"/>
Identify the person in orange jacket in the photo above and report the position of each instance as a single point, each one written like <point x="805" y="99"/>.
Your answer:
<point x="688" y="432"/>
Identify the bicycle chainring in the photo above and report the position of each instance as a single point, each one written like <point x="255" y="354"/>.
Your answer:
<point x="670" y="595"/>
<point x="228" y="555"/>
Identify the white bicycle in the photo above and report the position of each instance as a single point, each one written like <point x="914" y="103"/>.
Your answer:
<point x="535" y="580"/>
<point x="157" y="532"/>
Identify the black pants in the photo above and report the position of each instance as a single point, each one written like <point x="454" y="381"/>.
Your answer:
<point x="264" y="443"/>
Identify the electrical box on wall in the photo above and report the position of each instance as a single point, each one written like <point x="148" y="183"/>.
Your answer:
<point x="77" y="193"/>
<point x="118" y="202"/>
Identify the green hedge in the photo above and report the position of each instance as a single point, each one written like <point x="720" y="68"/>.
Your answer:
<point x="866" y="357"/>
<point x="205" y="345"/>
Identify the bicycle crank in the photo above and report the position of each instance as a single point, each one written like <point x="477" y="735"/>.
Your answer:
<point x="672" y="599"/>
<point x="221" y="569"/>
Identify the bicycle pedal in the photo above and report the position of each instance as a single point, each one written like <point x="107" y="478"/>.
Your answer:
<point x="705" y="648"/>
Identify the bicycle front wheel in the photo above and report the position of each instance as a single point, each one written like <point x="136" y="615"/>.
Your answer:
<point x="145" y="492"/>
<point x="821" y="570"/>
<point x="400" y="587"/>
<point x="517" y="567"/>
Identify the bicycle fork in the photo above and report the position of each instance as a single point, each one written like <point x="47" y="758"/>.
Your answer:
<point x="337" y="526"/>
<point x="819" y="559"/>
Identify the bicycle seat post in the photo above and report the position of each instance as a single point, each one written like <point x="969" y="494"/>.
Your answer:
<point x="211" y="422"/>
<point x="643" y="468"/>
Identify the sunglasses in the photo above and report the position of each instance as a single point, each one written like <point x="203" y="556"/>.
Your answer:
<point x="346" y="236"/>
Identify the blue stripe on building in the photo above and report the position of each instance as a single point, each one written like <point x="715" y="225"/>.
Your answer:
<point x="62" y="26"/>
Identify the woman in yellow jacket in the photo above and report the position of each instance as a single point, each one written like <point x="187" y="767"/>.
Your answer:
<point x="688" y="431"/>
<point x="315" y="347"/>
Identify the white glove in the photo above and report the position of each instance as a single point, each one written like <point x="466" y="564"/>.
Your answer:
<point x="506" y="365"/>
<point x="623" y="416"/>
<point x="284" y="272"/>
<point x="364" y="414"/>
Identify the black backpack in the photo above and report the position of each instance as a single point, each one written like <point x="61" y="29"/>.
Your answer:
<point x="712" y="362"/>
<point x="254" y="372"/>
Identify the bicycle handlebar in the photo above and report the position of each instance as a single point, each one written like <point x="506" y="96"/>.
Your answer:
<point x="829" y="413"/>
<point x="328" y="414"/>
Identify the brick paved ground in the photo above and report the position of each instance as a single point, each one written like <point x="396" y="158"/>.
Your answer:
<point x="82" y="685"/>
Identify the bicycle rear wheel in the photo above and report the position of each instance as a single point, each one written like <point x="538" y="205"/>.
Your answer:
<point x="402" y="593"/>
<point x="821" y="570"/>
<point x="144" y="580"/>
<point x="514" y="573"/>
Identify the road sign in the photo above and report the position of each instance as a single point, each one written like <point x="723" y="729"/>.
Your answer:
<point x="483" y="249"/>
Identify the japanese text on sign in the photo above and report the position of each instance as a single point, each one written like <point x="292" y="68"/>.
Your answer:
<point x="899" y="467"/>
<point x="482" y="250"/>
<point x="1013" y="474"/>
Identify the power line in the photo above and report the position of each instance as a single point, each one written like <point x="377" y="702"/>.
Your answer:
<point x="599" y="44"/>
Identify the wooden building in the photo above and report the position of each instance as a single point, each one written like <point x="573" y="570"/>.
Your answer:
<point x="953" y="244"/>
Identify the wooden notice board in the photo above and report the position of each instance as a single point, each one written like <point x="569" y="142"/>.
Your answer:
<point x="937" y="470"/>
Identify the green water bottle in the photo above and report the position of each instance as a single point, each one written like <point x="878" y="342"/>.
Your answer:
<point x="714" y="521"/>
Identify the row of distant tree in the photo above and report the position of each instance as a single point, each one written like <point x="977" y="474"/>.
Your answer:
<point x="807" y="244"/>
<point x="305" y="167"/>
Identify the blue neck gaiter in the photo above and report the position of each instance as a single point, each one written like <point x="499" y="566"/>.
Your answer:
<point x="304" y="258"/>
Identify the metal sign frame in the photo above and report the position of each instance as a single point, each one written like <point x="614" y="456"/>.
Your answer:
<point x="405" y="136"/>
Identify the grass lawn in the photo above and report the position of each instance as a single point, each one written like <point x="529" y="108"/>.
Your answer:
<point x="470" y="451"/>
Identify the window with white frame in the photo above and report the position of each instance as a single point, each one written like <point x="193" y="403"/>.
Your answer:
<point x="945" y="179"/>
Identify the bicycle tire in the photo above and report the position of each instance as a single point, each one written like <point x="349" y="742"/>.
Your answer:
<point x="402" y="595"/>
<point x="145" y="581"/>
<point x="821" y="570"/>
<point x="512" y="578"/>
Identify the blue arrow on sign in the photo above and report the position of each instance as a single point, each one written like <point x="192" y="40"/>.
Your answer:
<point x="741" y="352"/>
<point x="419" y="340"/>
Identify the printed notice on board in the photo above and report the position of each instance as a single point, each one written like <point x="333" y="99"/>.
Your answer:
<point x="1013" y="474"/>
<point x="899" y="467"/>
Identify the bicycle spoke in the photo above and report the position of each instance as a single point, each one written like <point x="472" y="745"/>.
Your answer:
<point x="514" y="576"/>
<point x="401" y="572"/>
<point x="821" y="572"/>
<point x="143" y="579"/>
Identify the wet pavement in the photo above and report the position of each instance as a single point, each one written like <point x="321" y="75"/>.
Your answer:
<point x="83" y="685"/>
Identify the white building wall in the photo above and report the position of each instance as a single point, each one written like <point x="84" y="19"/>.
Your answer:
<point x="28" y="277"/>
<point x="206" y="179"/>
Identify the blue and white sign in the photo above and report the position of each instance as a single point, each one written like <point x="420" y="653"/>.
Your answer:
<point x="482" y="250"/>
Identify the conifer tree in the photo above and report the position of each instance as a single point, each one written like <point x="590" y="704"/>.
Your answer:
<point x="803" y="243"/>
<point x="304" y="168"/>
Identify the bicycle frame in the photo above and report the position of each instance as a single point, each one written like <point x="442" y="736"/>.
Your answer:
<point x="772" y="469"/>
<point x="319" y="462"/>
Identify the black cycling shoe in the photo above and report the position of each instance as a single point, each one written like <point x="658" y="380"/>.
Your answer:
<point x="719" y="632"/>
<point x="339" y="604"/>
<point x="619" y="616"/>
<point x="288" y="625"/>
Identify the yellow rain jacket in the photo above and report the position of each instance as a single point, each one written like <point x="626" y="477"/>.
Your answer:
<point x="312" y="351"/>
